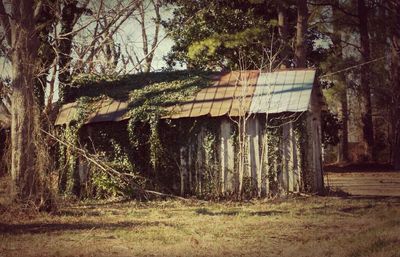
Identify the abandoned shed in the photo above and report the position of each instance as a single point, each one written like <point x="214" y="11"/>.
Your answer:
<point x="242" y="133"/>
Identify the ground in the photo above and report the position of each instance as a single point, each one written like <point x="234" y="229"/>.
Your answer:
<point x="363" y="180"/>
<point x="298" y="226"/>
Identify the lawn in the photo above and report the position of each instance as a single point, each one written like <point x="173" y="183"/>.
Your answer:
<point x="299" y="226"/>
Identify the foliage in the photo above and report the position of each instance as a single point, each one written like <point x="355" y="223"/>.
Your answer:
<point x="330" y="125"/>
<point x="69" y="182"/>
<point x="148" y="96"/>
<point x="209" y="34"/>
<point x="274" y="158"/>
<point x="147" y="106"/>
<point x="210" y="163"/>
<point x="137" y="86"/>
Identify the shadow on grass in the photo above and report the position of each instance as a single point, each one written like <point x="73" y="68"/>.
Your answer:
<point x="337" y="192"/>
<point x="334" y="191"/>
<point x="354" y="209"/>
<point x="78" y="213"/>
<point x="40" y="228"/>
<point x="205" y="211"/>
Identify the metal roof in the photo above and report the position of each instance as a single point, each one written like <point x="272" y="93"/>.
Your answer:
<point x="283" y="91"/>
<point x="230" y="94"/>
<point x="104" y="110"/>
<point x="67" y="113"/>
<point x="234" y="94"/>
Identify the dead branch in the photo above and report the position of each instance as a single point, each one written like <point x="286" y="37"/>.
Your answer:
<point x="126" y="177"/>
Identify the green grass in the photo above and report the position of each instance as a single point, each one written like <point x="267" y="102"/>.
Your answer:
<point x="309" y="226"/>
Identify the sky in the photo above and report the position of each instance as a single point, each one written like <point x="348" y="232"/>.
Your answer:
<point x="129" y="36"/>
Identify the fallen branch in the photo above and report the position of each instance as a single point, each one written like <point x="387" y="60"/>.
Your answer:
<point x="111" y="171"/>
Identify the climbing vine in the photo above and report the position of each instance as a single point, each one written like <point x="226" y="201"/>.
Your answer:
<point x="69" y="174"/>
<point x="148" y="97"/>
<point x="152" y="148"/>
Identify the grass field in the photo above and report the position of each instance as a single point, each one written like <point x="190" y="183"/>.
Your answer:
<point x="301" y="226"/>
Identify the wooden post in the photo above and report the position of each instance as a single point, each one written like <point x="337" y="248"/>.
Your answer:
<point x="183" y="169"/>
<point x="296" y="164"/>
<point x="190" y="162"/>
<point x="291" y="166"/>
<point x="227" y="157"/>
<point x="254" y="152"/>
<point x="224" y="134"/>
<point x="285" y="150"/>
<point x="83" y="171"/>
<point x="313" y="144"/>
<point x="199" y="161"/>
<point x="265" y="164"/>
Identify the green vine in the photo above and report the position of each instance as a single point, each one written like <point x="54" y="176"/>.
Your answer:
<point x="144" y="152"/>
<point x="69" y="182"/>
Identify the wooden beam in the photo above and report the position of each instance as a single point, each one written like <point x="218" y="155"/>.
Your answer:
<point x="183" y="169"/>
<point x="313" y="144"/>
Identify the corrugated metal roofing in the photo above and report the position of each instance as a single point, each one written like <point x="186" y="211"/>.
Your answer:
<point x="223" y="97"/>
<point x="109" y="110"/>
<point x="67" y="113"/>
<point x="234" y="93"/>
<point x="105" y="110"/>
<point x="283" y="91"/>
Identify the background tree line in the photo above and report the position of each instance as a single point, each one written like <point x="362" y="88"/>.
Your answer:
<point x="48" y="42"/>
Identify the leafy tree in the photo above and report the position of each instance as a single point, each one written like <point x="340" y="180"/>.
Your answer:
<point x="210" y="34"/>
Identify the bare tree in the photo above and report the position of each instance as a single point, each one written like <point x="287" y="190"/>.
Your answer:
<point x="269" y="61"/>
<point x="148" y="49"/>
<point x="5" y="106"/>
<point x="148" y="17"/>
<point x="18" y="24"/>
<point x="103" y="47"/>
<point x="20" y="39"/>
<point x="394" y="6"/>
<point x="301" y="30"/>
<point x="365" y="79"/>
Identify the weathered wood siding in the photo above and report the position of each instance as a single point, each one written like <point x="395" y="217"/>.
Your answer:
<point x="199" y="165"/>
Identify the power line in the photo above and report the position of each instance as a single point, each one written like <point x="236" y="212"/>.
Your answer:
<point x="354" y="66"/>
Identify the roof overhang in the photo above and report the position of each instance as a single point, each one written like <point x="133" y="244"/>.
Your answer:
<point x="231" y="94"/>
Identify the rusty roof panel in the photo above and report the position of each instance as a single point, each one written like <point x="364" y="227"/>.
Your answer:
<point x="243" y="93"/>
<point x="218" y="99"/>
<point x="67" y="113"/>
<point x="109" y="110"/>
<point x="211" y="93"/>
<point x="105" y="110"/>
<point x="225" y="103"/>
<point x="220" y="95"/>
<point x="234" y="93"/>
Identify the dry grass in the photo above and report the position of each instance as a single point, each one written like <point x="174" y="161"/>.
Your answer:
<point x="310" y="226"/>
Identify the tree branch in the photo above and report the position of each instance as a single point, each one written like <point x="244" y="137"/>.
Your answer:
<point x="336" y="6"/>
<point x="5" y="22"/>
<point x="38" y="10"/>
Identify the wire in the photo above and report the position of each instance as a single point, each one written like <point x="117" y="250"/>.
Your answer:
<point x="354" y="66"/>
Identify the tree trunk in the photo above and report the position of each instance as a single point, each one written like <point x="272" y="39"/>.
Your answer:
<point x="24" y="115"/>
<point x="338" y="51"/>
<point x="344" y="154"/>
<point x="283" y="33"/>
<point x="395" y="70"/>
<point x="68" y="19"/>
<point x="368" y="129"/>
<point x="300" y="48"/>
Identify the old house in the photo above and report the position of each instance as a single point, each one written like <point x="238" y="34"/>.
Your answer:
<point x="245" y="132"/>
